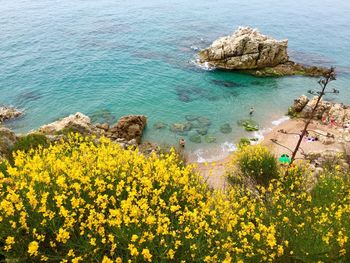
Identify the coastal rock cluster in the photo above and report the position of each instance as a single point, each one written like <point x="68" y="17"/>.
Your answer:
<point x="250" y="51"/>
<point x="127" y="131"/>
<point x="8" y="113"/>
<point x="331" y="113"/>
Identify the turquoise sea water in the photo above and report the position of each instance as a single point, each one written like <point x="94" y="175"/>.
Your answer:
<point x="111" y="58"/>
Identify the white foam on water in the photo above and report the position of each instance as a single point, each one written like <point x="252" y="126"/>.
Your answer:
<point x="280" y="120"/>
<point x="205" y="65"/>
<point x="228" y="147"/>
<point x="195" y="48"/>
<point x="213" y="155"/>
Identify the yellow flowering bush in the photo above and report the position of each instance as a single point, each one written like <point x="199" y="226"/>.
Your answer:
<point x="254" y="162"/>
<point x="87" y="201"/>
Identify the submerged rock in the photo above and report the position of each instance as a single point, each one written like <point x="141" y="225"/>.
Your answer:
<point x="249" y="124"/>
<point x="209" y="138"/>
<point x="8" y="113"/>
<point x="129" y="127"/>
<point x="191" y="117"/>
<point x="159" y="125"/>
<point x="249" y="50"/>
<point x="204" y="121"/>
<point x="226" y="128"/>
<point x="226" y="83"/>
<point x="181" y="127"/>
<point x="202" y="131"/>
<point x="195" y="138"/>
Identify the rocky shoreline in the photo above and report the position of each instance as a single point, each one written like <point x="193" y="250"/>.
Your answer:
<point x="249" y="51"/>
<point x="127" y="132"/>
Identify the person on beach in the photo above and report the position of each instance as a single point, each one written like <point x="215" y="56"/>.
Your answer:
<point x="251" y="111"/>
<point x="182" y="142"/>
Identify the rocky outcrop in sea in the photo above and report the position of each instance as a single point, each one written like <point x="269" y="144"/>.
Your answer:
<point x="8" y="113"/>
<point x="249" y="50"/>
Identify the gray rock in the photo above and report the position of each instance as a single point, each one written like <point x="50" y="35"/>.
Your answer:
<point x="209" y="138"/>
<point x="204" y="121"/>
<point x="191" y="117"/>
<point x="247" y="48"/>
<point x="226" y="128"/>
<point x="300" y="103"/>
<point x="8" y="113"/>
<point x="196" y="138"/>
<point x="159" y="125"/>
<point x="104" y="126"/>
<point x="202" y="131"/>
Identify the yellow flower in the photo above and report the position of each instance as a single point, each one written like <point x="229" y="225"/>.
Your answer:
<point x="171" y="254"/>
<point x="147" y="255"/>
<point x="9" y="242"/>
<point x="133" y="250"/>
<point x="106" y="260"/>
<point x="33" y="248"/>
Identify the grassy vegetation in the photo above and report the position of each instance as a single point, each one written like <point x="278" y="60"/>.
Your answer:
<point x="79" y="201"/>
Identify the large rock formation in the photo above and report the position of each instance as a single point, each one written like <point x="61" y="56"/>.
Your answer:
<point x="249" y="50"/>
<point x="77" y="122"/>
<point x="127" y="131"/>
<point x="129" y="128"/>
<point x="7" y="113"/>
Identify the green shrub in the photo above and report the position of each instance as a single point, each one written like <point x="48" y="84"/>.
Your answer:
<point x="30" y="141"/>
<point x="254" y="162"/>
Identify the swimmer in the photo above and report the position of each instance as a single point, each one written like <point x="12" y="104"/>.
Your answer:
<point x="251" y="111"/>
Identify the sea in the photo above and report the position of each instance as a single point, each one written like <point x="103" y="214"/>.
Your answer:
<point x="111" y="58"/>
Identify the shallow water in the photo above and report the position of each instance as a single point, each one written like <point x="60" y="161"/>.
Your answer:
<point x="111" y="58"/>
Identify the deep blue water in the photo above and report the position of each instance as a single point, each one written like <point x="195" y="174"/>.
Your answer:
<point x="111" y="58"/>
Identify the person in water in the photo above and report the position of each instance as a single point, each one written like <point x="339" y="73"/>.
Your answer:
<point x="251" y="111"/>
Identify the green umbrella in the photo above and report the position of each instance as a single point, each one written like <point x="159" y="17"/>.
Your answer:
<point x="284" y="158"/>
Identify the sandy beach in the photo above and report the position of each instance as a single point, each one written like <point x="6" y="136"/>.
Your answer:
<point x="214" y="172"/>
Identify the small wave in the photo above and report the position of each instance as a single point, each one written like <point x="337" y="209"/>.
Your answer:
<point x="195" y="48"/>
<point x="214" y="155"/>
<point x="204" y="65"/>
<point x="228" y="147"/>
<point x="280" y="120"/>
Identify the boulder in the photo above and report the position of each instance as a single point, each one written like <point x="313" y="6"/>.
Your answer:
<point x="159" y="125"/>
<point x="226" y="128"/>
<point x="129" y="127"/>
<point x="337" y="112"/>
<point x="195" y="138"/>
<point x="77" y="122"/>
<point x="202" y="131"/>
<point x="300" y="103"/>
<point x="250" y="51"/>
<point x="247" y="48"/>
<point x="181" y="127"/>
<point x="209" y="138"/>
<point x="323" y="106"/>
<point x="103" y="126"/>
<point x="8" y="113"/>
<point x="7" y="140"/>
